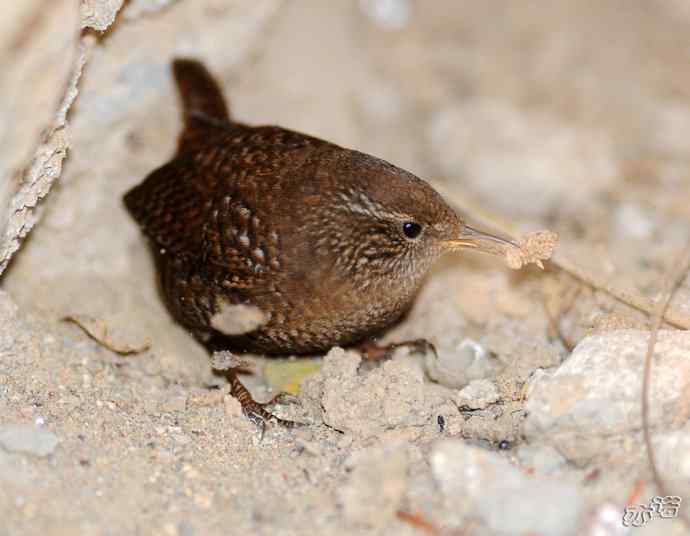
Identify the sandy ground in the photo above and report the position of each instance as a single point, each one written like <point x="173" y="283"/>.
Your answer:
<point x="572" y="116"/>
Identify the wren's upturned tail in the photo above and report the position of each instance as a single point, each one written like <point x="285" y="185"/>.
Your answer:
<point x="272" y="241"/>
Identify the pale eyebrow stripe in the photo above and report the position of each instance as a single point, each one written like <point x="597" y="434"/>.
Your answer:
<point x="362" y="204"/>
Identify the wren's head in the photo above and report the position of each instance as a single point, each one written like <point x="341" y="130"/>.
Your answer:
<point x="385" y="227"/>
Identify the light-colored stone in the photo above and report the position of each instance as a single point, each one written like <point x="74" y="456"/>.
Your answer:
<point x="376" y="485"/>
<point x="596" y="392"/>
<point x="504" y="498"/>
<point x="478" y="394"/>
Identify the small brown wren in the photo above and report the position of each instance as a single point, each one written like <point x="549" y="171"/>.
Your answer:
<point x="327" y="244"/>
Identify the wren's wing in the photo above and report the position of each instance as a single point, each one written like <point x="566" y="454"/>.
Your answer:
<point x="214" y="203"/>
<point x="170" y="207"/>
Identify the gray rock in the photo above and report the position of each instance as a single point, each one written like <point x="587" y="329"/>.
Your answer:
<point x="596" y="393"/>
<point x="479" y="394"/>
<point x="27" y="439"/>
<point x="504" y="498"/>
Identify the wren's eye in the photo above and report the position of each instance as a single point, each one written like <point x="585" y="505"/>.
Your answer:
<point x="411" y="229"/>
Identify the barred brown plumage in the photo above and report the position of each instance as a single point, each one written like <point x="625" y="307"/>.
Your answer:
<point x="329" y="244"/>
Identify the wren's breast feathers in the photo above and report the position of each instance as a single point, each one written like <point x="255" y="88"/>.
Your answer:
<point x="329" y="244"/>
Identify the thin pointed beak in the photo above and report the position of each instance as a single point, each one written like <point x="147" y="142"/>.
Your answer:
<point x="481" y="241"/>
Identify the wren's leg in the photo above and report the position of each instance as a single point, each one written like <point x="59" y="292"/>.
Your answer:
<point x="254" y="411"/>
<point x="373" y="352"/>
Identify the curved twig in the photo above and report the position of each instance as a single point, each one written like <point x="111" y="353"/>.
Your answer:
<point x="673" y="281"/>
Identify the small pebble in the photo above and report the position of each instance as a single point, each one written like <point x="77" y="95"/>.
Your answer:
<point x="27" y="439"/>
<point x="479" y="394"/>
<point x="455" y="369"/>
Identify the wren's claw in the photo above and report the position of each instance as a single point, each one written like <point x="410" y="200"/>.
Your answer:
<point x="258" y="420"/>
<point x="373" y="352"/>
<point x="252" y="409"/>
<point x="282" y="398"/>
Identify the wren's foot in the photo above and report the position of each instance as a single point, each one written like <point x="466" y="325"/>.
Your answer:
<point x="281" y="398"/>
<point x="252" y="409"/>
<point x="373" y="352"/>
